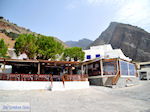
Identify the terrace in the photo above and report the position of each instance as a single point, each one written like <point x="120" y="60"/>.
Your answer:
<point x="42" y="70"/>
<point x="109" y="69"/>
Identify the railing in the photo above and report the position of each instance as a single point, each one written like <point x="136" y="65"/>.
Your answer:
<point x="115" y="79"/>
<point x="42" y="77"/>
<point x="25" y="77"/>
<point x="75" y="77"/>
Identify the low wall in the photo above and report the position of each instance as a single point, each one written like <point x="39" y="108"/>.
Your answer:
<point x="101" y="81"/>
<point x="96" y="81"/>
<point x="37" y="85"/>
<point x="24" y="85"/>
<point x="107" y="81"/>
<point x="76" y="84"/>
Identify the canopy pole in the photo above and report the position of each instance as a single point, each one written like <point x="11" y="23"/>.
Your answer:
<point x="101" y="67"/>
<point x="4" y="66"/>
<point x="38" y="68"/>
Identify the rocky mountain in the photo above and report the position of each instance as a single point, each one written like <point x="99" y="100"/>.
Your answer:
<point x="134" y="41"/>
<point x="10" y="31"/>
<point x="83" y="43"/>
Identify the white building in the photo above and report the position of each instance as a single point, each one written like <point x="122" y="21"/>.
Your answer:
<point x="6" y="69"/>
<point x="104" y="51"/>
<point x="144" y="70"/>
<point x="12" y="54"/>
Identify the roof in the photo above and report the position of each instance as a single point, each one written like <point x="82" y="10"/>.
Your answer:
<point x="20" y="60"/>
<point x="59" y="62"/>
<point x="144" y="63"/>
<point x="98" y="59"/>
<point x="37" y="61"/>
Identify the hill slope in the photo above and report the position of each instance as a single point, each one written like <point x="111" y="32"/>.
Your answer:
<point x="83" y="43"/>
<point x="10" y="31"/>
<point x="134" y="41"/>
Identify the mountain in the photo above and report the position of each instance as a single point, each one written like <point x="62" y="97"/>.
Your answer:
<point x="83" y="43"/>
<point x="10" y="31"/>
<point x="134" y="41"/>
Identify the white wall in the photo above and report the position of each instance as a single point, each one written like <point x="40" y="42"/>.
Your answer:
<point x="37" y="85"/>
<point x="93" y="53"/>
<point x="8" y="69"/>
<point x="94" y="50"/>
<point x="24" y="85"/>
<point x="105" y="51"/>
<point x="116" y="53"/>
<point x="76" y="85"/>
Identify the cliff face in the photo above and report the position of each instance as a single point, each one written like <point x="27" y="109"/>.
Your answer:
<point x="134" y="41"/>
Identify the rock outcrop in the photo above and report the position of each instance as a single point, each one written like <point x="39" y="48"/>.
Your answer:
<point x="134" y="41"/>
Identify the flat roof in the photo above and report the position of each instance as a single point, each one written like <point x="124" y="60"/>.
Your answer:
<point x="20" y="60"/>
<point x="98" y="59"/>
<point x="144" y="63"/>
<point x="59" y="62"/>
<point x="37" y="61"/>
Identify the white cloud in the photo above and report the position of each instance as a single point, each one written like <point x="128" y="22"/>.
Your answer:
<point x="98" y="2"/>
<point x="136" y="12"/>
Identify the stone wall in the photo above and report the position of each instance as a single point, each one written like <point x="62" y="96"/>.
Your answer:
<point x="107" y="81"/>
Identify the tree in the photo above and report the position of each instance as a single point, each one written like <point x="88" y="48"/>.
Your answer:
<point x="74" y="52"/>
<point x="26" y="43"/>
<point x="48" y="47"/>
<point x="42" y="47"/>
<point x="3" y="48"/>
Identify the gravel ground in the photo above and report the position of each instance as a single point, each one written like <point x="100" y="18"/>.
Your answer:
<point x="94" y="99"/>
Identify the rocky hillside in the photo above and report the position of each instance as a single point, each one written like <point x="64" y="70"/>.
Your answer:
<point x="83" y="43"/>
<point x="134" y="41"/>
<point x="10" y="31"/>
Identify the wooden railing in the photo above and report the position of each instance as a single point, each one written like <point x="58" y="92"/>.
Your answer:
<point x="116" y="78"/>
<point x="25" y="77"/>
<point x="42" y="77"/>
<point x="75" y="77"/>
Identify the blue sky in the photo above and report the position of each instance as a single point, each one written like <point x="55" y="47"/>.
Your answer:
<point x="75" y="19"/>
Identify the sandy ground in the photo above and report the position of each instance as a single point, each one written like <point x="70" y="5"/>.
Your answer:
<point x="94" y="99"/>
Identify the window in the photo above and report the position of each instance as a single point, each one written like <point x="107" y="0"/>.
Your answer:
<point x="88" y="57"/>
<point x="97" y="55"/>
<point x="127" y="69"/>
<point x="109" y="67"/>
<point x="124" y="68"/>
<point x="132" y="71"/>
